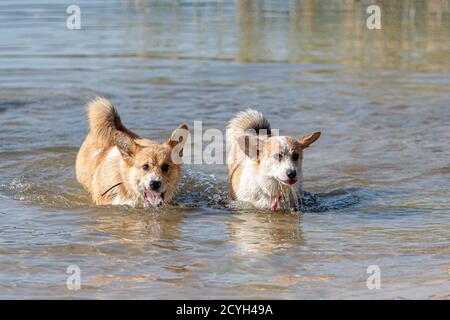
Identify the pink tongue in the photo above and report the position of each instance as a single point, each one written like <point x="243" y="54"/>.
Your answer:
<point x="154" y="199"/>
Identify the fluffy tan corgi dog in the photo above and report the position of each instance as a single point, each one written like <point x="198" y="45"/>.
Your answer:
<point x="117" y="167"/>
<point x="264" y="170"/>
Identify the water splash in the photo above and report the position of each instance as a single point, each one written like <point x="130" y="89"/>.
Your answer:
<point x="50" y="182"/>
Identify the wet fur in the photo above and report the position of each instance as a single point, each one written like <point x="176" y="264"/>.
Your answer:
<point x="255" y="178"/>
<point x="111" y="154"/>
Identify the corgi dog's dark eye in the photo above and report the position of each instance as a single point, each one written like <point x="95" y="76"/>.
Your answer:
<point x="145" y="167"/>
<point x="295" y="156"/>
<point x="278" y="156"/>
<point x="165" y="167"/>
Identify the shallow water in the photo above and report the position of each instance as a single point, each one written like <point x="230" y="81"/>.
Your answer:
<point x="377" y="181"/>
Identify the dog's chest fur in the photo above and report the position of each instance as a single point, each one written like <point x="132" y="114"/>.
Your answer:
<point x="261" y="190"/>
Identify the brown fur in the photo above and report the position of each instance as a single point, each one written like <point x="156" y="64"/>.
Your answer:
<point x="111" y="154"/>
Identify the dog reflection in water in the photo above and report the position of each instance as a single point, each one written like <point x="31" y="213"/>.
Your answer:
<point x="259" y="232"/>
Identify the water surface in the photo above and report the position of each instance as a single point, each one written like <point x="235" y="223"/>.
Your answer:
<point x="377" y="180"/>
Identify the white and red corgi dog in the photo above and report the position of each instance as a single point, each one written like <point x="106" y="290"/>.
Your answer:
<point x="118" y="167"/>
<point x="264" y="170"/>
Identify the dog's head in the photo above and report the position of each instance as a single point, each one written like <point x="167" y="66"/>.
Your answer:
<point x="279" y="157"/>
<point x="152" y="170"/>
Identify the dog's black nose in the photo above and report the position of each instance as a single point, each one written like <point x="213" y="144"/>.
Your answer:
<point x="291" y="174"/>
<point x="155" y="184"/>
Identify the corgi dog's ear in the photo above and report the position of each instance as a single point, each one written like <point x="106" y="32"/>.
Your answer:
<point x="177" y="141"/>
<point x="307" y="140"/>
<point x="126" y="145"/>
<point x="251" y="146"/>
